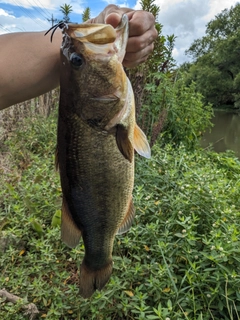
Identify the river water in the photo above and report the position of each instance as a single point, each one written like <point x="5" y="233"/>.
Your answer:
<point x="225" y="135"/>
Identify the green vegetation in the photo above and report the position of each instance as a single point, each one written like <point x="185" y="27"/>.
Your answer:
<point x="66" y="9"/>
<point x="86" y="14"/>
<point x="154" y="82"/>
<point x="216" y="66"/>
<point x="163" y="101"/>
<point x="174" y="109"/>
<point x="180" y="260"/>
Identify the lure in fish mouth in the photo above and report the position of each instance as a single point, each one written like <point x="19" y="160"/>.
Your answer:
<point x="97" y="135"/>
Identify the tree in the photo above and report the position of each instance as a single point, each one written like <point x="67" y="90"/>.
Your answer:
<point x="216" y="66"/>
<point x="66" y="9"/>
<point x="151" y="119"/>
<point x="161" y="58"/>
<point x="86" y="14"/>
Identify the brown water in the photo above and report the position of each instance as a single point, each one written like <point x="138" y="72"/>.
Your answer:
<point x="225" y="135"/>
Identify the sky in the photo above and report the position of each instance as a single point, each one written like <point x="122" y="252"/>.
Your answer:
<point x="186" y="19"/>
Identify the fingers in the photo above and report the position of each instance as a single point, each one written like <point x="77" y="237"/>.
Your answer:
<point x="140" y="42"/>
<point x="142" y="32"/>
<point x="114" y="19"/>
<point x="111" y="14"/>
<point x="139" y="22"/>
<point x="133" y="59"/>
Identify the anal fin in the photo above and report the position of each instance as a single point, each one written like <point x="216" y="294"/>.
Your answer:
<point x="140" y="143"/>
<point x="70" y="234"/>
<point x="128" y="219"/>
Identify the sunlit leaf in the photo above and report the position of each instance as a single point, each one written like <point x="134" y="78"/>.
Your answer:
<point x="166" y="290"/>
<point x="129" y="293"/>
<point x="37" y="226"/>
<point x="22" y="252"/>
<point x="56" y="219"/>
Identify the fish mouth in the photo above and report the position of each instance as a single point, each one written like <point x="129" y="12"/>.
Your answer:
<point x="122" y="37"/>
<point x="101" y="40"/>
<point x="100" y="43"/>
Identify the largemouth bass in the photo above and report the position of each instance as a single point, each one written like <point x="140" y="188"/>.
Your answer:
<point x="97" y="135"/>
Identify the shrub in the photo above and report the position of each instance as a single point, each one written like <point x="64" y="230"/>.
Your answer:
<point x="175" y="110"/>
<point x="180" y="260"/>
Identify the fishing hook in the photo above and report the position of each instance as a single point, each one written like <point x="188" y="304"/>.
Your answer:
<point x="60" y="25"/>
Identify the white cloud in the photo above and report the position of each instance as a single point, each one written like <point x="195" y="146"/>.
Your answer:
<point x="110" y="2"/>
<point x="47" y="5"/>
<point x="33" y="20"/>
<point x="216" y="6"/>
<point x="10" y="23"/>
<point x="187" y="20"/>
<point x="4" y="13"/>
<point x="124" y="4"/>
<point x="31" y="3"/>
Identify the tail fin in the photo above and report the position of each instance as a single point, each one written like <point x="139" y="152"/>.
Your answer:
<point x="90" y="280"/>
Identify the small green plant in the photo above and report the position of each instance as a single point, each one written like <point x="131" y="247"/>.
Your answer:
<point x="175" y="111"/>
<point x="180" y="260"/>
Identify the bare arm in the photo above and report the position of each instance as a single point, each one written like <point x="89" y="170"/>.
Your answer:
<point x="29" y="62"/>
<point x="29" y="66"/>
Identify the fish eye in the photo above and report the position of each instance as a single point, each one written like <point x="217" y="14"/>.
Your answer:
<point x="76" y="60"/>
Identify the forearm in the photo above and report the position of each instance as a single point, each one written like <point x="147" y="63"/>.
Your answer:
<point x="29" y="65"/>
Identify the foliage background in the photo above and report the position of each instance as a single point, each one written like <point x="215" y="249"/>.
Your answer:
<point x="216" y="67"/>
<point x="180" y="260"/>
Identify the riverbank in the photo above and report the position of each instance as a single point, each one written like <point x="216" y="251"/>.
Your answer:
<point x="225" y="133"/>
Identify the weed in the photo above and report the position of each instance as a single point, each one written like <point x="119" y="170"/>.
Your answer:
<point x="180" y="260"/>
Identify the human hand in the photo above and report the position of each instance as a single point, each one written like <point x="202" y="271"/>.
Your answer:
<point x="142" y="32"/>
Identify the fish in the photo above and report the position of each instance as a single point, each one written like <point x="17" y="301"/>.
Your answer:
<point x="96" y="138"/>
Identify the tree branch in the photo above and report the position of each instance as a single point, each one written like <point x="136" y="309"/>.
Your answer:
<point x="30" y="308"/>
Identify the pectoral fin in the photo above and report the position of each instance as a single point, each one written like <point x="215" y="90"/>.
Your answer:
<point x="140" y="143"/>
<point x="128" y="219"/>
<point x="70" y="234"/>
<point x="123" y="142"/>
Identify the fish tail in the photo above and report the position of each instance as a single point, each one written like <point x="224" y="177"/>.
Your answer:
<point x="90" y="280"/>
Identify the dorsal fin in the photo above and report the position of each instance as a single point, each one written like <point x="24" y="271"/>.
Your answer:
<point x="128" y="219"/>
<point x="123" y="142"/>
<point x="140" y="143"/>
<point x="70" y="234"/>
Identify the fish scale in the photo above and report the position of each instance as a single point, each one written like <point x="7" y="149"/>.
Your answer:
<point x="94" y="166"/>
<point x="97" y="135"/>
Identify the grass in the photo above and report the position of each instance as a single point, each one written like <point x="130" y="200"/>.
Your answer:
<point x="179" y="261"/>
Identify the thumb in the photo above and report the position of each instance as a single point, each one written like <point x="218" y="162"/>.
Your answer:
<point x="113" y="19"/>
